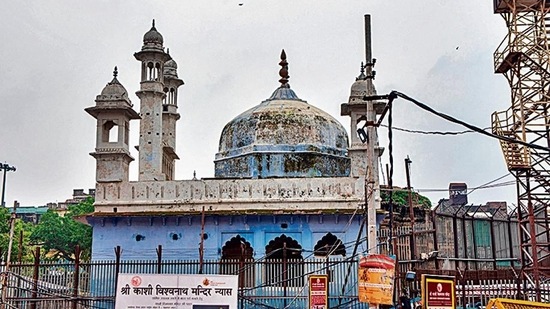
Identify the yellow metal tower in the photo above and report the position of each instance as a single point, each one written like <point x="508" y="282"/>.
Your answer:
<point x="523" y="58"/>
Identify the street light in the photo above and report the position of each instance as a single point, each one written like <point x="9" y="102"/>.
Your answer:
<point x="7" y="168"/>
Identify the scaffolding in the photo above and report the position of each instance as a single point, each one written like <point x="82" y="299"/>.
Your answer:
<point x="523" y="58"/>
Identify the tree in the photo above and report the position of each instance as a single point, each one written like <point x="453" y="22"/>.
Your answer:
<point x="20" y="227"/>
<point x="400" y="197"/>
<point x="61" y="234"/>
<point x="400" y="202"/>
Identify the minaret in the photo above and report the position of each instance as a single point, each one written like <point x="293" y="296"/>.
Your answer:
<point x="151" y="96"/>
<point x="169" y="117"/>
<point x="113" y="111"/>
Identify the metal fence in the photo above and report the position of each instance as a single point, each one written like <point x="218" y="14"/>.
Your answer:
<point x="263" y="283"/>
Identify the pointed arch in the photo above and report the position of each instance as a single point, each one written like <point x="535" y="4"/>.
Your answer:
<point x="284" y="262"/>
<point x="329" y="245"/>
<point x="237" y="258"/>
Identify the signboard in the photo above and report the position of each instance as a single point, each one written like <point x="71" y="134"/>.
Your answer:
<point x="376" y="276"/>
<point x="438" y="292"/>
<point x="318" y="292"/>
<point x="152" y="291"/>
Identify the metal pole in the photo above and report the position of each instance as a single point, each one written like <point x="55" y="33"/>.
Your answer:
<point x="7" y="168"/>
<point x="371" y="182"/>
<point x="12" y="229"/>
<point x="35" y="276"/>
<point x="3" y="185"/>
<point x="118" y="255"/>
<point x="76" y="277"/>
<point x="20" y="247"/>
<point x="201" y="245"/>
<point x="7" y="269"/>
<point x="285" y="274"/>
<point x="241" y="275"/>
<point x="159" y="259"/>
<point x="411" y="210"/>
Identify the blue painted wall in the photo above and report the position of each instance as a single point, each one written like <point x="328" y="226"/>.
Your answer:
<point x="179" y="237"/>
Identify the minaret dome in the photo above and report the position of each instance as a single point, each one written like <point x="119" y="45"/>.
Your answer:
<point x="152" y="39"/>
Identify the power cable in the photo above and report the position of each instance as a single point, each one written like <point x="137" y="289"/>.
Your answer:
<point x="465" y="124"/>
<point x="500" y="184"/>
<point x="434" y="132"/>
<point x="483" y="186"/>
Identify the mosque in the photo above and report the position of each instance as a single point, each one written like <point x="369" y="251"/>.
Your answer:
<point x="286" y="174"/>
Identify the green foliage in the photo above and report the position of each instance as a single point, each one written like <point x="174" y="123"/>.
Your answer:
<point x="21" y="238"/>
<point x="61" y="234"/>
<point x="401" y="198"/>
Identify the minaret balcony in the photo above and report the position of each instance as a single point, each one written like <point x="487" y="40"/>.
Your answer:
<point x="151" y="85"/>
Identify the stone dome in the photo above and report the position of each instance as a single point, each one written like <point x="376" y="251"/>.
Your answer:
<point x="171" y="69"/>
<point x="171" y="64"/>
<point x="283" y="121"/>
<point x="283" y="137"/>
<point x="114" y="89"/>
<point x="152" y="39"/>
<point x="153" y="36"/>
<point x="360" y="88"/>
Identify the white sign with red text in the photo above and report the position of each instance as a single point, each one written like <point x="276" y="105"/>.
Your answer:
<point x="158" y="291"/>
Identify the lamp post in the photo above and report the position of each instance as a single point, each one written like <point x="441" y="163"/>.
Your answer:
<point x="7" y="168"/>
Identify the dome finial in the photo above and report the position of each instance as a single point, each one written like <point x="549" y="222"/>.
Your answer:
<point x="153" y="23"/>
<point x="283" y="72"/>
<point x="115" y="72"/>
<point x="168" y="51"/>
<point x="362" y="76"/>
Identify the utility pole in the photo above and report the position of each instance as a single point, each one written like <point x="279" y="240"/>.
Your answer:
<point x="411" y="210"/>
<point x="372" y="186"/>
<point x="363" y="107"/>
<point x="7" y="168"/>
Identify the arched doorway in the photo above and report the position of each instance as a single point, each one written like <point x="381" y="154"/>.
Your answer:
<point x="329" y="245"/>
<point x="237" y="258"/>
<point x="284" y="262"/>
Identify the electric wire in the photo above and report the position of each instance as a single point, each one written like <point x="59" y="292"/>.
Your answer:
<point x="434" y="132"/>
<point x="488" y="184"/>
<point x="465" y="124"/>
<point x="501" y="184"/>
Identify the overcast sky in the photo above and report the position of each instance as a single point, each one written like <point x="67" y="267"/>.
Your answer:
<point x="58" y="55"/>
